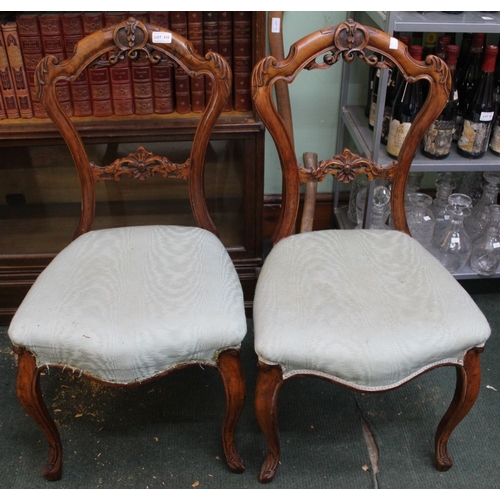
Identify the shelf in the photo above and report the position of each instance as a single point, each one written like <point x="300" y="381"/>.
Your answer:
<point x="439" y="22"/>
<point x="357" y="124"/>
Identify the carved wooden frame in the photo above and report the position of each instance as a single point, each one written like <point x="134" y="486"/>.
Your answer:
<point x="348" y="40"/>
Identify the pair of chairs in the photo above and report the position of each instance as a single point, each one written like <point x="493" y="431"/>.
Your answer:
<point x="368" y="310"/>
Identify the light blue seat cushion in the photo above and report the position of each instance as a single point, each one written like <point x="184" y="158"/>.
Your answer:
<point x="123" y="305"/>
<point x="367" y="308"/>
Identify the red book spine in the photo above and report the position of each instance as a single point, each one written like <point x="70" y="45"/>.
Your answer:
<point x="53" y="44"/>
<point x="242" y="60"/>
<point x="210" y="42"/>
<point x="20" y="80"/>
<point x="142" y="78"/>
<point x="72" y="27"/>
<point x="99" y="80"/>
<point x="178" y="23"/>
<point x="122" y="91"/>
<point x="163" y="73"/>
<point x="7" y="83"/>
<point x="195" y="36"/>
<point x="30" y="38"/>
<point x="226" y="46"/>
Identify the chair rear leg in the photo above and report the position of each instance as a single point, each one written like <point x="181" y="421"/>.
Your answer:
<point x="269" y="381"/>
<point x="466" y="392"/>
<point x="229" y="365"/>
<point x="30" y="396"/>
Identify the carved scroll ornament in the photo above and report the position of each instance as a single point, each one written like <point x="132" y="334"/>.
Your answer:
<point x="140" y="165"/>
<point x="346" y="167"/>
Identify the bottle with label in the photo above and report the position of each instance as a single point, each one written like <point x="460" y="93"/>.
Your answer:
<point x="407" y="104"/>
<point x="438" y="138"/>
<point x="430" y="44"/>
<point x="373" y="100"/>
<point x="478" y="118"/>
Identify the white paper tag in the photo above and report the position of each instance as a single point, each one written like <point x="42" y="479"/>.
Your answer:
<point x="426" y="218"/>
<point x="393" y="43"/>
<point x="496" y="244"/>
<point x="275" y="25"/>
<point x="455" y="240"/>
<point x="162" y="37"/>
<point x="486" y="116"/>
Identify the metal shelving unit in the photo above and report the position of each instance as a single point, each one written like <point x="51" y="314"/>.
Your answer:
<point x="353" y="120"/>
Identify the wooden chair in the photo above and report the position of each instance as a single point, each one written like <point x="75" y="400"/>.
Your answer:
<point x="128" y="305"/>
<point x="366" y="309"/>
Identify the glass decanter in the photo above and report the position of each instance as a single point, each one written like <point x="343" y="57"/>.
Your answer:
<point x="471" y="186"/>
<point x="360" y="182"/>
<point x="479" y="219"/>
<point x="485" y="256"/>
<point x="380" y="208"/>
<point x="361" y="201"/>
<point x="444" y="187"/>
<point x="453" y="249"/>
<point x="414" y="181"/>
<point x="420" y="218"/>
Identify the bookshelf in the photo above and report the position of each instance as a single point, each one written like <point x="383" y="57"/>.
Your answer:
<point x="39" y="196"/>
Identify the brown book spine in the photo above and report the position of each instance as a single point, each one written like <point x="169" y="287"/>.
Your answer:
<point x="122" y="91"/>
<point x="53" y="44"/>
<point x="72" y="28"/>
<point x="163" y="72"/>
<point x="142" y="78"/>
<point x="242" y="60"/>
<point x="178" y="23"/>
<point x="30" y="38"/>
<point x="226" y="46"/>
<point x="20" y="80"/>
<point x="3" y="114"/>
<point x="195" y="36"/>
<point x="210" y="42"/>
<point x="7" y="83"/>
<point x="99" y="80"/>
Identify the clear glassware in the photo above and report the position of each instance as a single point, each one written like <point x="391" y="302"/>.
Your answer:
<point x="414" y="181"/>
<point x="361" y="201"/>
<point x="453" y="249"/>
<point x="444" y="187"/>
<point x="420" y="218"/>
<point x="360" y="182"/>
<point x="479" y="219"/>
<point x="471" y="186"/>
<point x="380" y="208"/>
<point x="485" y="256"/>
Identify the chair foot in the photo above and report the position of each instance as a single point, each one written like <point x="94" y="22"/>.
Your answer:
<point x="269" y="381"/>
<point x="466" y="393"/>
<point x="30" y="397"/>
<point x="234" y="385"/>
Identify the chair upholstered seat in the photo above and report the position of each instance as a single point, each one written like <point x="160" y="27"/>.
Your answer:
<point x="124" y="305"/>
<point x="371" y="309"/>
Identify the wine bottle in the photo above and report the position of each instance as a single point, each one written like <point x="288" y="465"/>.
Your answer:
<point x="468" y="77"/>
<point x="373" y="100"/>
<point x="371" y="76"/>
<point x="443" y="42"/>
<point x="407" y="104"/>
<point x="478" y="118"/>
<point x="430" y="43"/>
<point x="438" y="138"/>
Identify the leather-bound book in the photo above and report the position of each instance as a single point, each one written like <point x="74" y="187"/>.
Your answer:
<point x="53" y="44"/>
<point x="225" y="36"/>
<point x="122" y="92"/>
<point x="28" y="29"/>
<point x="99" y="79"/>
<point x="3" y="114"/>
<point x="142" y="80"/>
<point x="178" y="24"/>
<point x="210" y="42"/>
<point x="163" y="72"/>
<point x="73" y="32"/>
<point x="19" y="78"/>
<point x="7" y="83"/>
<point x="195" y="36"/>
<point x="242" y="60"/>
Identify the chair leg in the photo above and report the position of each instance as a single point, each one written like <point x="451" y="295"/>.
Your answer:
<point x="234" y="385"/>
<point x="269" y="381"/>
<point x="30" y="396"/>
<point x="466" y="392"/>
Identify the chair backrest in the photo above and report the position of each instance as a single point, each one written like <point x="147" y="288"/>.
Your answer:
<point x="349" y="40"/>
<point x="105" y="48"/>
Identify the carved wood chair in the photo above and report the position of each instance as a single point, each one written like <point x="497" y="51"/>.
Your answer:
<point x="128" y="305"/>
<point x="366" y="309"/>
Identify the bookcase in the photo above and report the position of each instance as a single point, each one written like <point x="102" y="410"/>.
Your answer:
<point x="39" y="193"/>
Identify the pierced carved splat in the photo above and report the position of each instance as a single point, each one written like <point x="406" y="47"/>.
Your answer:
<point x="346" y="167"/>
<point x="140" y="165"/>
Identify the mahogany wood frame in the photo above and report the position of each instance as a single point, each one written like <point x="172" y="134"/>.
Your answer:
<point x="126" y="40"/>
<point x="348" y="40"/>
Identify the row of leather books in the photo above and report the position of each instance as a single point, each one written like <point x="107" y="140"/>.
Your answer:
<point x="129" y="87"/>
